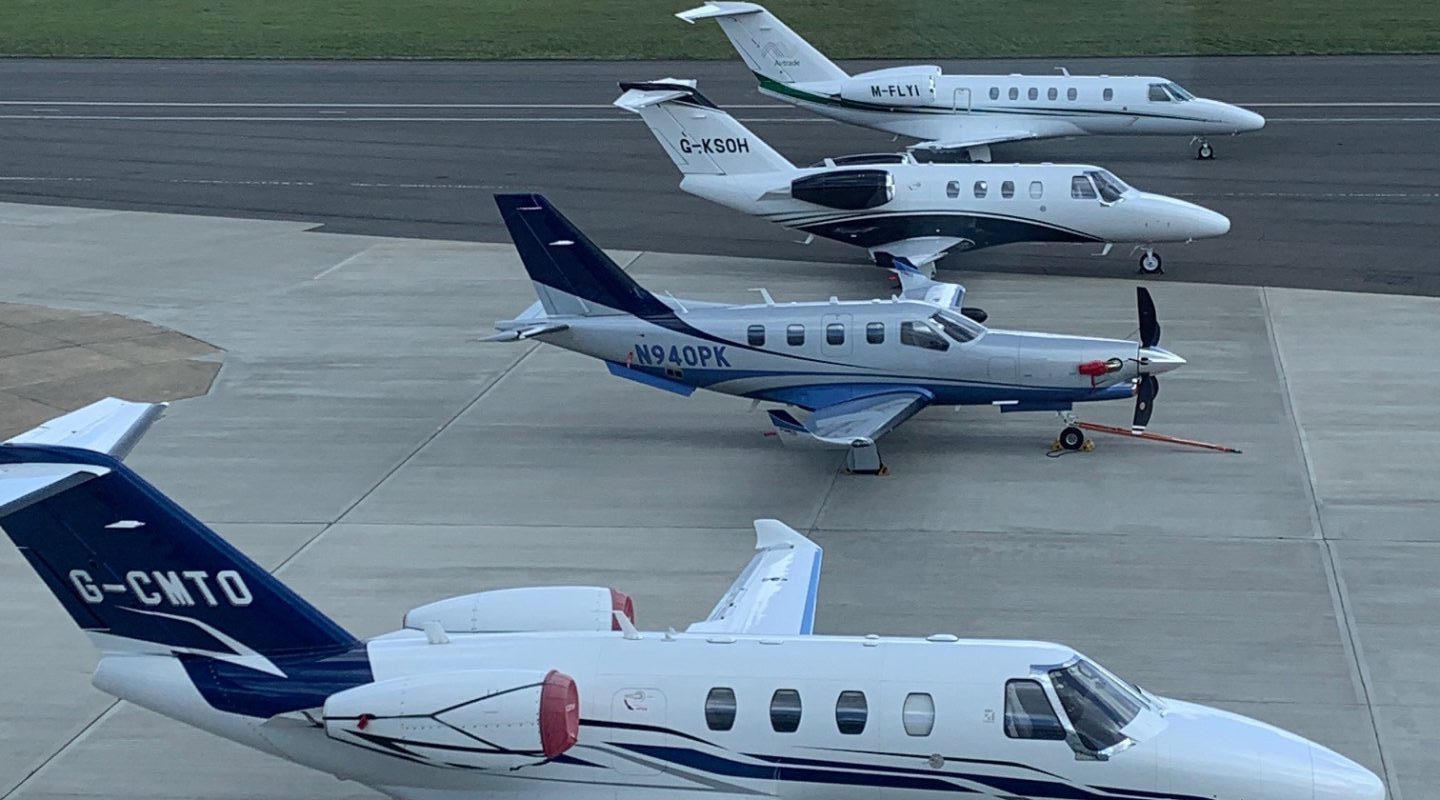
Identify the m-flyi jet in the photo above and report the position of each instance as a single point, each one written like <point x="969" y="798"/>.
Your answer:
<point x="967" y="112"/>
<point x="897" y="207"/>
<point x="553" y="693"/>
<point x="860" y="367"/>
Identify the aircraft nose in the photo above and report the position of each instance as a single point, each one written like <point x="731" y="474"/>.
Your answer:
<point x="1248" y="120"/>
<point x="1210" y="223"/>
<point x="1339" y="778"/>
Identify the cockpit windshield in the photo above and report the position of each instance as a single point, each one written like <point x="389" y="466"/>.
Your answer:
<point x="1098" y="706"/>
<point x="1178" y="92"/>
<point x="1111" y="188"/>
<point x="1168" y="93"/>
<point x="956" y="327"/>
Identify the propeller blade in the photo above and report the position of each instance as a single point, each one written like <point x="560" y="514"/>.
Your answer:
<point x="1149" y="322"/>
<point x="1145" y="402"/>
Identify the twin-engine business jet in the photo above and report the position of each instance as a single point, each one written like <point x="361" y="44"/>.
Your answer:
<point x="552" y="693"/>
<point x="897" y="207"/>
<point x="861" y="367"/>
<point x="967" y="112"/>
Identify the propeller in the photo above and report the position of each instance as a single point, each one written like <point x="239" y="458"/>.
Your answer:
<point x="1150" y="363"/>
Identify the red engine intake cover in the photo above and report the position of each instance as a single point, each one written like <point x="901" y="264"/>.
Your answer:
<point x="1092" y="368"/>
<point x="559" y="713"/>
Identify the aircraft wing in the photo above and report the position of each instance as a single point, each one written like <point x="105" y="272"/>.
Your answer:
<point x="919" y="251"/>
<point x="983" y="137"/>
<point x="111" y="426"/>
<point x="775" y="593"/>
<point x="858" y="422"/>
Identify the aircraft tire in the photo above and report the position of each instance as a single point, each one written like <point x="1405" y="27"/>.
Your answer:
<point x="1150" y="264"/>
<point x="1072" y="438"/>
<point x="1205" y="152"/>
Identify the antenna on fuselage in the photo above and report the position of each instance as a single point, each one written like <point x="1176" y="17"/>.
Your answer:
<point x="764" y="294"/>
<point x="1063" y="71"/>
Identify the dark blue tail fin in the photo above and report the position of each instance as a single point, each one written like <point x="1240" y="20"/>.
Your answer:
<point x="137" y="571"/>
<point x="571" y="275"/>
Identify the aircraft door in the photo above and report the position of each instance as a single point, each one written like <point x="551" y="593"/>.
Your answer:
<point x="960" y="101"/>
<point x="634" y="710"/>
<point x="835" y="328"/>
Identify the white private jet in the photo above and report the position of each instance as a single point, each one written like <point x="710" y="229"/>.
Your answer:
<point x="967" y="112"/>
<point x="897" y="207"/>
<point x="552" y="693"/>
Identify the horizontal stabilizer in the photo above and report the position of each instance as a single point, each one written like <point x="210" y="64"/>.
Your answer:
<point x="520" y="334"/>
<point x="776" y="592"/>
<point x="712" y="10"/>
<point x="111" y="426"/>
<point x="640" y="94"/>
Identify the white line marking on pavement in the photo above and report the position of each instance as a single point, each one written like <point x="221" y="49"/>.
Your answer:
<point x="165" y="104"/>
<point x="344" y="262"/>
<point x="806" y="120"/>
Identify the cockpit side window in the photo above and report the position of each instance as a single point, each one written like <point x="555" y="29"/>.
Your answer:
<point x="922" y="334"/>
<point x="1028" y="713"/>
<point x="1081" y="188"/>
<point x="1158" y="93"/>
<point x="1098" y="708"/>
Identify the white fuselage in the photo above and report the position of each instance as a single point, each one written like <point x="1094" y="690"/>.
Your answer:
<point x="923" y="103"/>
<point x="982" y="205"/>
<point x="645" y="731"/>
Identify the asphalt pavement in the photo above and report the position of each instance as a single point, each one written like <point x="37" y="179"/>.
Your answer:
<point x="1341" y="190"/>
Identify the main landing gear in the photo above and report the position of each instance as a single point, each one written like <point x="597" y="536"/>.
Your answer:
<point x="1203" y="150"/>
<point x="1150" y="263"/>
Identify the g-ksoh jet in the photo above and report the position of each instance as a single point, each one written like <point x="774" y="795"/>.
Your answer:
<point x="897" y="207"/>
<point x="860" y="367"/>
<point x="967" y="112"/>
<point x="553" y="693"/>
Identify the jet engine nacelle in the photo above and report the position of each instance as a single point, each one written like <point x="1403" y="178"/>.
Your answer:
<point x="533" y="608"/>
<point x="478" y="719"/>
<point x="895" y="88"/>
<point x="851" y="189"/>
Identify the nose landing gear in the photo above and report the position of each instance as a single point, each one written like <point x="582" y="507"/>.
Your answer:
<point x="1150" y="263"/>
<point x="1072" y="436"/>
<point x="1203" y="152"/>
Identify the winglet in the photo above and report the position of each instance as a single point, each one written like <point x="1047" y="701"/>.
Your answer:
<point x="111" y="426"/>
<point x="770" y="533"/>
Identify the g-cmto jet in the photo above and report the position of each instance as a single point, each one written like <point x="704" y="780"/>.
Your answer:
<point x="897" y="207"/>
<point x="553" y="693"/>
<point x="967" y="112"/>
<point x="860" y="367"/>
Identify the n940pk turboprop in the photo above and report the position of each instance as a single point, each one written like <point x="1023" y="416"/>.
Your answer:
<point x="897" y="207"/>
<point x="861" y="367"/>
<point x="968" y="112"/>
<point x="552" y="693"/>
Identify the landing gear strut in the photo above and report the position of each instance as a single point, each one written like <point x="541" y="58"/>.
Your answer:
<point x="864" y="459"/>
<point x="1203" y="151"/>
<point x="1150" y="263"/>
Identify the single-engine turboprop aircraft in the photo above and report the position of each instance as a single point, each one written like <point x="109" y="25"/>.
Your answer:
<point x="897" y="207"/>
<point x="967" y="112"/>
<point x="861" y="367"/>
<point x="551" y="692"/>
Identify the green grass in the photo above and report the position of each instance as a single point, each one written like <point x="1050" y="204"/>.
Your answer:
<point x="646" y="29"/>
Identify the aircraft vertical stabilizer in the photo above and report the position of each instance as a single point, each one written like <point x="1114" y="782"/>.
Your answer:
<point x="767" y="45"/>
<point x="699" y="136"/>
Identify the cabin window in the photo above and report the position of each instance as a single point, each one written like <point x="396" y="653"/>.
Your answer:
<point x="981" y="189"/>
<point x="1007" y="189"/>
<point x="720" y="709"/>
<point x="921" y="334"/>
<point x="785" y="711"/>
<point x="1158" y="93"/>
<point x="1108" y="94"/>
<point x="1028" y="713"/>
<point x="952" y="189"/>
<point x="1070" y="93"/>
<point x="1037" y="190"/>
<point x="1014" y="93"/>
<point x="795" y="335"/>
<point x="994" y="92"/>
<point x="1081" y="188"/>
<point x="850" y="713"/>
<point x="875" y="332"/>
<point x="1052" y="93"/>
<point x="918" y="714"/>
<point x="755" y="335"/>
<point x="1033" y="94"/>
<point x="835" y="333"/>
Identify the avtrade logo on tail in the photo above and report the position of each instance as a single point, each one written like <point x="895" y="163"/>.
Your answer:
<point x="168" y="587"/>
